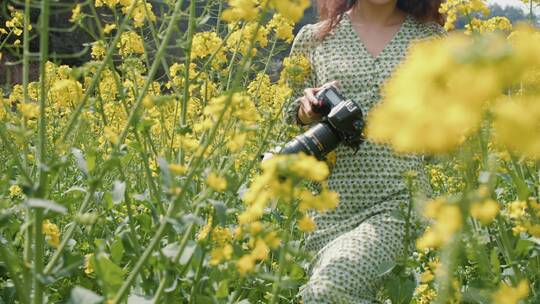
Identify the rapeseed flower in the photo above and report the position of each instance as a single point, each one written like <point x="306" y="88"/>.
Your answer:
<point x="15" y="191"/>
<point x="485" y="211"/>
<point x="52" y="233"/>
<point x="216" y="182"/>
<point x="511" y="295"/>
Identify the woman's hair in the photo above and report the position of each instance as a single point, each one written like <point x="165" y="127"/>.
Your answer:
<point x="331" y="11"/>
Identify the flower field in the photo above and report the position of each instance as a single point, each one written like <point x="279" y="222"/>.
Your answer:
<point x="136" y="177"/>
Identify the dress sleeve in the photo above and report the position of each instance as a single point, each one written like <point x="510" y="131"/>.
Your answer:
<point x="302" y="45"/>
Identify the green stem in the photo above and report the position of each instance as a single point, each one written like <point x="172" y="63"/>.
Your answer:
<point x="41" y="151"/>
<point x="26" y="72"/>
<point x="288" y="226"/>
<point x="507" y="250"/>
<point x="185" y="97"/>
<point x="161" y="288"/>
<point x="12" y="263"/>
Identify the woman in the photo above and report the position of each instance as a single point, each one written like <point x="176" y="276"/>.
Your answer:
<point x="356" y="46"/>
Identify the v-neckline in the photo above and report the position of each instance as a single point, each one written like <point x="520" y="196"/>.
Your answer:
<point x="386" y="46"/>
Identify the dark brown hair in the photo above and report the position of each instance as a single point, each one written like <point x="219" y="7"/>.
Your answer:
<point x="331" y="11"/>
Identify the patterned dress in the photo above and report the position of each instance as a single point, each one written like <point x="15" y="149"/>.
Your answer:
<point x="351" y="241"/>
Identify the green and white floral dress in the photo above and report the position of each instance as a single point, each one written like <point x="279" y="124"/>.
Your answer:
<point x="352" y="241"/>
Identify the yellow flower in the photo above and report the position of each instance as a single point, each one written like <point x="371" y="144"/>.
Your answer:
<point x="448" y="221"/>
<point x="111" y="135"/>
<point x="205" y="230"/>
<point x="98" y="50"/>
<point x="272" y="240"/>
<point x="52" y="233"/>
<point x="76" y="14"/>
<point x="245" y="264"/>
<point x="29" y="110"/>
<point x="16" y="23"/>
<point x="496" y="23"/>
<point x="511" y="295"/>
<point x="205" y="44"/>
<point x="282" y="27"/>
<point x="88" y="269"/>
<point x="177" y="169"/>
<point x="237" y="142"/>
<point x="241" y="39"/>
<point x="533" y="229"/>
<point x="130" y="43"/>
<point x="108" y="28"/>
<point x="140" y="13"/>
<point x="216" y="182"/>
<point x="429" y="99"/>
<point x="306" y="224"/>
<point x="15" y="191"/>
<point x="66" y="93"/>
<point x="240" y="10"/>
<point x="453" y="8"/>
<point x="309" y="167"/>
<point x="292" y="10"/>
<point x="295" y="69"/>
<point x="109" y="3"/>
<point x="516" y="209"/>
<point x="426" y="276"/>
<point x="220" y="254"/>
<point x="516" y="124"/>
<point x="424" y="294"/>
<point x="256" y="227"/>
<point x="485" y="211"/>
<point x="261" y="250"/>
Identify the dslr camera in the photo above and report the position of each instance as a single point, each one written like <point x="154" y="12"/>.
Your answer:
<point x="342" y="122"/>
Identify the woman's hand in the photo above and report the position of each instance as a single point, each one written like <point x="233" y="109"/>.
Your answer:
<point x="306" y="115"/>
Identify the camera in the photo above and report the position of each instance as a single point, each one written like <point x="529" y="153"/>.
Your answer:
<point x="342" y="122"/>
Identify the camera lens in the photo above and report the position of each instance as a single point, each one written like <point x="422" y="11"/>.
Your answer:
<point x="317" y="141"/>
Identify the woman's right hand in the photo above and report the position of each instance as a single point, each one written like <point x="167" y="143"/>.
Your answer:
<point x="306" y="115"/>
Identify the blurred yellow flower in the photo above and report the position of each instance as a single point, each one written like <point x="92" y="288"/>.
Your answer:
<point x="516" y="125"/>
<point x="245" y="264"/>
<point x="29" y="110"/>
<point x="177" y="169"/>
<point x="238" y="10"/>
<point x="511" y="295"/>
<point x="447" y="221"/>
<point x="306" y="224"/>
<point x="216" y="182"/>
<point x="485" y="211"/>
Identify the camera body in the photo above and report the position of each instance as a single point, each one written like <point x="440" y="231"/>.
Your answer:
<point x="342" y="122"/>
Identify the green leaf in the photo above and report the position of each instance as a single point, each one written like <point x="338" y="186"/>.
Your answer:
<point x="118" y="192"/>
<point x="495" y="263"/>
<point x="135" y="299"/>
<point x="117" y="250"/>
<point x="221" y="211"/>
<point x="81" y="295"/>
<point x="523" y="246"/>
<point x="386" y="267"/>
<point x="188" y="252"/>
<point x="110" y="274"/>
<point x="79" y="159"/>
<point x="223" y="289"/>
<point x="46" y="204"/>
